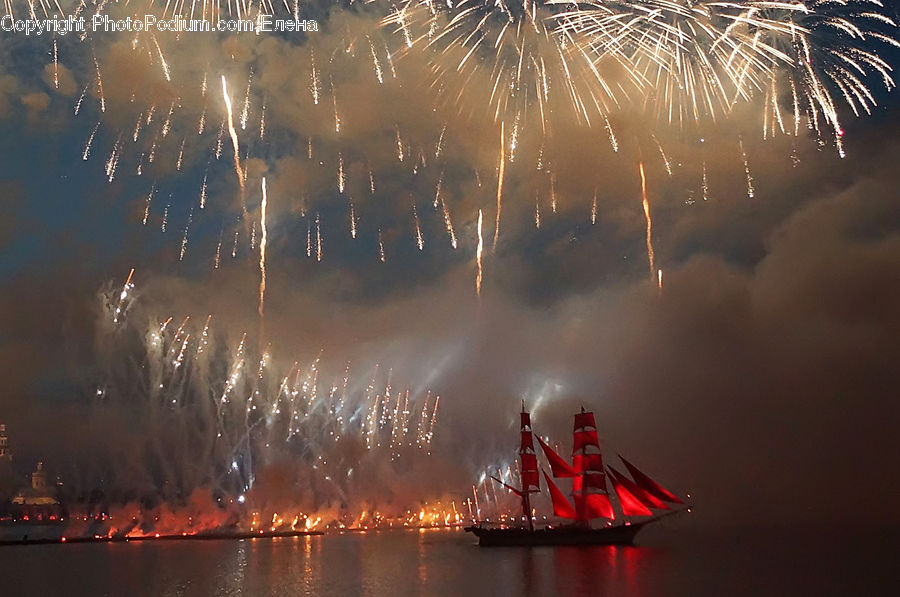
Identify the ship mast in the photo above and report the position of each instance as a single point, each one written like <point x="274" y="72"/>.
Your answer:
<point x="528" y="460"/>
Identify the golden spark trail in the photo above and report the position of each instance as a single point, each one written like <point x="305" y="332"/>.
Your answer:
<point x="750" y="190"/>
<point x="448" y="223"/>
<point x="218" y="259"/>
<point x="234" y="142"/>
<point x="501" y="168"/>
<point x="87" y="146"/>
<point x="262" y="250"/>
<point x="352" y="221"/>
<point x="381" y="255"/>
<point x="420" y="240"/>
<point x="147" y="205"/>
<point x="180" y="160"/>
<point x="55" y="65"/>
<point x="478" y="251"/>
<point x="646" y="204"/>
<point x="318" y="239"/>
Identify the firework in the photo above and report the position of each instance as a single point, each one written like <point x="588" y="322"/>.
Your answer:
<point x="646" y="205"/>
<point x="478" y="251"/>
<point x="262" y="250"/>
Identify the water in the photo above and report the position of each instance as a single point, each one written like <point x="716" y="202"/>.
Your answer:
<point x="441" y="562"/>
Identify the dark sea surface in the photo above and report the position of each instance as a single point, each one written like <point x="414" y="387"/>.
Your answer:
<point x="443" y="562"/>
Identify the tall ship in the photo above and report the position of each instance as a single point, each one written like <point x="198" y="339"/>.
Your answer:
<point x="596" y="486"/>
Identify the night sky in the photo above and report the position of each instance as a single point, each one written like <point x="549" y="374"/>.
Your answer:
<point x="761" y="378"/>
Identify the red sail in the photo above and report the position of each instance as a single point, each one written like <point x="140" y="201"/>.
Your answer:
<point x="589" y="485"/>
<point x="584" y="419"/>
<point x="584" y="439"/>
<point x="631" y="505"/>
<point x="530" y="481"/>
<point x="561" y="506"/>
<point x="527" y="441"/>
<point x="649" y="485"/>
<point x="594" y="505"/>
<point x="559" y="466"/>
<point x="648" y="500"/>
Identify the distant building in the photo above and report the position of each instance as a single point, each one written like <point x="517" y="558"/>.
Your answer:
<point x="5" y="452"/>
<point x="40" y="500"/>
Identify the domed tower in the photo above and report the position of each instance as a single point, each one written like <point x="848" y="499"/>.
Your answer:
<point x="39" y="478"/>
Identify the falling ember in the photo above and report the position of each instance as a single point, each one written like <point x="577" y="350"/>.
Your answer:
<point x="262" y="121"/>
<point x="440" y="143"/>
<point x="500" y="169"/>
<point x="262" y="250"/>
<point x="420" y="240"/>
<point x="614" y="143"/>
<point x="314" y="83"/>
<point x="537" y="211"/>
<point x="55" y="65"/>
<point x="245" y="109"/>
<point x="437" y="190"/>
<point x="662" y="154"/>
<point x="203" y="189"/>
<point x="380" y="247"/>
<point x="399" y="143"/>
<point x="184" y="236"/>
<point x="375" y="64"/>
<point x="162" y="61"/>
<point x="646" y="204"/>
<point x="113" y="162"/>
<point x="337" y="116"/>
<point x="81" y="99"/>
<point x="180" y="159"/>
<point x="167" y="125"/>
<point x="594" y="209"/>
<point x="219" y="136"/>
<point x="750" y="190"/>
<point x="218" y="259"/>
<point x="704" y="183"/>
<point x="352" y="221"/>
<point x="147" y="205"/>
<point x="165" y="218"/>
<point x="308" y="239"/>
<point x="448" y="223"/>
<point x="478" y="251"/>
<point x="340" y="179"/>
<point x="87" y="146"/>
<point x="99" y="84"/>
<point x="234" y="246"/>
<point x="659" y="279"/>
<point x="553" y="202"/>
<point x="318" y="239"/>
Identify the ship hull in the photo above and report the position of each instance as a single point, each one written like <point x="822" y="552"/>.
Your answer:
<point x="517" y="537"/>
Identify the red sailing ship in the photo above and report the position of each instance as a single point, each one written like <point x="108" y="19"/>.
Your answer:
<point x="640" y="499"/>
